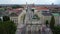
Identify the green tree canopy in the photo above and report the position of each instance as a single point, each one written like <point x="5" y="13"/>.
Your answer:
<point x="6" y="18"/>
<point x="56" y="30"/>
<point x="7" y="27"/>
<point x="17" y="6"/>
<point x="0" y="19"/>
<point x="52" y="22"/>
<point x="46" y="22"/>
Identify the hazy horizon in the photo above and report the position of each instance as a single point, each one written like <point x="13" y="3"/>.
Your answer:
<point x="48" y="2"/>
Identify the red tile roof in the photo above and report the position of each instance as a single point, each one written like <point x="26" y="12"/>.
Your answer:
<point x="15" y="10"/>
<point x="41" y="8"/>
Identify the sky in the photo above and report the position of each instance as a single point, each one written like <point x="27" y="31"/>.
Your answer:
<point x="29" y="1"/>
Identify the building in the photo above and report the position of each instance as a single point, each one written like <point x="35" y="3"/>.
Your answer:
<point x="46" y="11"/>
<point x="27" y="17"/>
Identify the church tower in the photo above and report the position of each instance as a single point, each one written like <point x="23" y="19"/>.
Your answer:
<point x="29" y="14"/>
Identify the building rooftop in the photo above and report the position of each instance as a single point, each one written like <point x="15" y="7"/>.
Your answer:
<point x="46" y="14"/>
<point x="13" y="12"/>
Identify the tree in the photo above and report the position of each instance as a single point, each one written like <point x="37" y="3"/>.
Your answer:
<point x="7" y="27"/>
<point x="46" y="23"/>
<point x="56" y="30"/>
<point x="6" y="18"/>
<point x="52" y="22"/>
<point x="0" y="19"/>
<point x="17" y="6"/>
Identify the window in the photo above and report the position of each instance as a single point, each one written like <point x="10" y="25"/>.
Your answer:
<point x="15" y="20"/>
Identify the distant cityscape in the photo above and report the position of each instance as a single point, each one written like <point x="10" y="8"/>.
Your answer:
<point x="30" y="19"/>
